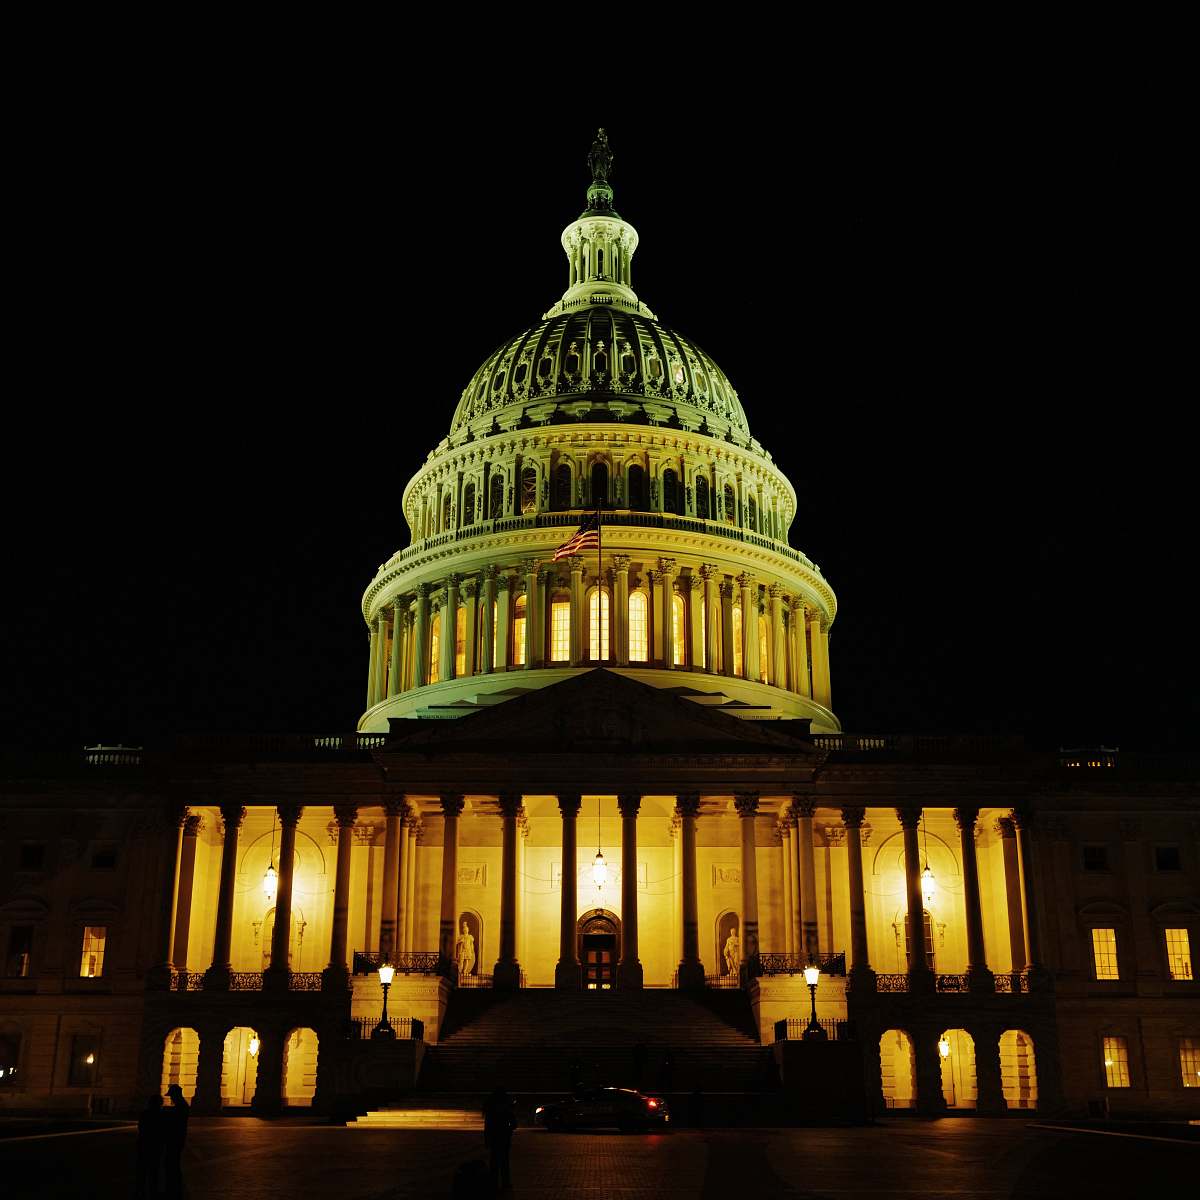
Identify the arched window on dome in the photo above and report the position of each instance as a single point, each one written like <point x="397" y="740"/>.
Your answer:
<point x="739" y="668"/>
<point x="528" y="491"/>
<point x="599" y="642"/>
<point x="671" y="492"/>
<point x="752" y="514"/>
<point x="702" y="504"/>
<point x="730" y="506"/>
<point x="435" y="646"/>
<point x="599" y="485"/>
<point x="460" y="642"/>
<point x="561" y="499"/>
<point x="678" y="630"/>
<point x="468" y="509"/>
<point x="496" y="498"/>
<point x="518" y="647"/>
<point x="637" y="488"/>
<point x="639" y="628"/>
<point x="560" y="628"/>
<point x="445" y="513"/>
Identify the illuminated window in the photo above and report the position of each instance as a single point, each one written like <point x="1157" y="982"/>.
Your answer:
<point x="91" y="961"/>
<point x="435" y="646"/>
<point x="560" y="631"/>
<point x="1116" y="1062"/>
<point x="85" y="1059"/>
<point x="10" y="1058"/>
<point x="1179" y="954"/>
<point x="518" y="653"/>
<point x="678" y="630"/>
<point x="738" y="665"/>
<point x="678" y="374"/>
<point x="639" y="633"/>
<point x="1104" y="953"/>
<point x="703" y="603"/>
<point x="654" y="366"/>
<point x="762" y="649"/>
<point x="1189" y="1061"/>
<point x="491" y="650"/>
<point x="20" y="952"/>
<point x="528" y="490"/>
<point x="460" y="643"/>
<point x="598" y="625"/>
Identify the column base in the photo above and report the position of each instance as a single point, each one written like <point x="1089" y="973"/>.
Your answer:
<point x="506" y="976"/>
<point x="980" y="981"/>
<point x="568" y="975"/>
<point x="922" y="983"/>
<point x="861" y="980"/>
<point x="629" y="976"/>
<point x="335" y="979"/>
<point x="691" y="975"/>
<point x="216" y="979"/>
<point x="277" y="979"/>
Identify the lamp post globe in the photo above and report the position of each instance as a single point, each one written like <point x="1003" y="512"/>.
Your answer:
<point x="813" y="1031"/>
<point x="384" y="1028"/>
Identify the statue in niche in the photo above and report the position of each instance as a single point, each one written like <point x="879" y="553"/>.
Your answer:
<point x="733" y="953"/>
<point x="464" y="951"/>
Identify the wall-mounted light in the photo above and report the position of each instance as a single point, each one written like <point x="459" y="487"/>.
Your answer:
<point x="944" y="1047"/>
<point x="254" y="1045"/>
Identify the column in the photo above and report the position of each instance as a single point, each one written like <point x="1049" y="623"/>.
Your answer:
<point x="988" y="1079"/>
<point x="711" y="628"/>
<point x="666" y="567"/>
<point x="820" y="661"/>
<point x="401" y="886"/>
<point x="629" y="970"/>
<point x="803" y="810"/>
<point x="533" y="610"/>
<point x="406" y="665"/>
<point x="217" y="975"/>
<point x="919" y="973"/>
<point x="506" y="602"/>
<point x="421" y="638"/>
<point x="1023" y="821"/>
<point x="567" y="972"/>
<point x="727" y="628"/>
<point x="487" y="640"/>
<point x="452" y="806"/>
<point x="336" y="976"/>
<point x="522" y="839"/>
<point x="691" y="969"/>
<point x="789" y="643"/>
<point x="167" y="892"/>
<point x="1012" y="892"/>
<point x="620" y="615"/>
<point x="746" y="804"/>
<point x="784" y="831"/>
<point x="410" y="911"/>
<point x="183" y="905"/>
<point x="693" y="585"/>
<point x="778" y="665"/>
<point x="755" y="668"/>
<point x="676" y="890"/>
<point x="575" y="562"/>
<point x="471" y="617"/>
<point x="278" y="975"/>
<point x="507" y="972"/>
<point x="450" y="629"/>
<point x="749" y="629"/>
<point x="393" y="810"/>
<point x="393" y="680"/>
<point x="381" y="654"/>
<point x="372" y="669"/>
<point x="654" y="609"/>
<point x="979" y="977"/>
<point x="800" y="624"/>
<point x="541" y="630"/>
<point x="861" y="977"/>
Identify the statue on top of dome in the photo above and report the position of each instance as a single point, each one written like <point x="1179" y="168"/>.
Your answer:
<point x="600" y="158"/>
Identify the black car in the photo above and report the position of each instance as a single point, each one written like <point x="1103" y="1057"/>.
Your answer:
<point x="598" y="1108"/>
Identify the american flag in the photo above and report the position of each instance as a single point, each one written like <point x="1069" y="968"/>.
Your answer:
<point x="586" y="537"/>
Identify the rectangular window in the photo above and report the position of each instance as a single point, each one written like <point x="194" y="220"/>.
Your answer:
<point x="1179" y="954"/>
<point x="460" y="642"/>
<point x="1167" y="858"/>
<point x="1189" y="1061"/>
<point x="1104" y="953"/>
<point x="1116" y="1062"/>
<point x="1095" y="858"/>
<point x="560" y="631"/>
<point x="598" y="626"/>
<point x="20" y="952"/>
<point x="518" y="654"/>
<point x="91" y="962"/>
<point x="639" y="634"/>
<point x="33" y="856"/>
<point x="85" y="1059"/>
<point x="10" y="1056"/>
<point x="738" y="666"/>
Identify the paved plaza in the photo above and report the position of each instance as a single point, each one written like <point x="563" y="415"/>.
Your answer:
<point x="249" y="1159"/>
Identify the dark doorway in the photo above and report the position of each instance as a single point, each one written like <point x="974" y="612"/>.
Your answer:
<point x="598" y="951"/>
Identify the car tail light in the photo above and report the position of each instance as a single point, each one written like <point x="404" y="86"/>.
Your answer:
<point x="651" y="1103"/>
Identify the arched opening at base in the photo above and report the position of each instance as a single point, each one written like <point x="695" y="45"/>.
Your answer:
<point x="300" y="1068"/>
<point x="599" y="934"/>
<point x="896" y="1065"/>
<point x="1018" y="1069"/>
<point x="956" y="1049"/>
<point x="239" y="1067"/>
<point x="181" y="1055"/>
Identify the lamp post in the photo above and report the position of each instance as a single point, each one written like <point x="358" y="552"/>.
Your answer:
<point x="813" y="1032"/>
<point x="384" y="1029"/>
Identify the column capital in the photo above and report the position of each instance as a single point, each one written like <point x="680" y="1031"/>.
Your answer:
<point x="853" y="816"/>
<point x="395" y="806"/>
<point x="666" y="566"/>
<point x="193" y="825"/>
<point x="575" y="562"/>
<point x="509" y="583"/>
<point x="784" y="825"/>
<point x="569" y="803"/>
<point x="1005" y="828"/>
<point x="628" y="803"/>
<point x="693" y="583"/>
<point x="803" y="806"/>
<point x="423" y="590"/>
<point x="835" y="835"/>
<point x="437" y="601"/>
<point x="653" y="576"/>
<point x="490" y="571"/>
<point x="468" y="588"/>
<point x="909" y="816"/>
<point x="798" y="606"/>
<point x="726" y="589"/>
<point x="688" y="804"/>
<point x="745" y="580"/>
<point x="709" y="571"/>
<point x="1022" y="819"/>
<point x="965" y="818"/>
<point x="510" y="804"/>
<point x="453" y="579"/>
<point x="452" y="803"/>
<point x="233" y="815"/>
<point x="345" y="815"/>
<point x="775" y="591"/>
<point x="289" y="812"/>
<point x="746" y="803"/>
<point x="621" y="563"/>
<point x="529" y="566"/>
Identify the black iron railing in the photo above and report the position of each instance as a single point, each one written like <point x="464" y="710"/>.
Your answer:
<point x="407" y="1028"/>
<point x="794" y="964"/>
<point x="412" y="962"/>
<point x="791" y="1029"/>
<point x="885" y="982"/>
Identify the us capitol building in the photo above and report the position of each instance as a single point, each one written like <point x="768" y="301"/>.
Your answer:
<point x="595" y="799"/>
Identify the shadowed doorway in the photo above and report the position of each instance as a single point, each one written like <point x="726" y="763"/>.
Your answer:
<point x="599" y="949"/>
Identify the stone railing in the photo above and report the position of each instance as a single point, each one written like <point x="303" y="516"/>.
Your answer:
<point x="916" y="745"/>
<point x="305" y="981"/>
<point x="793" y="964"/>
<point x="245" y="981"/>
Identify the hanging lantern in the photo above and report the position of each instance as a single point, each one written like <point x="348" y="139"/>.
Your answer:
<point x="270" y="883"/>
<point x="928" y="887"/>
<point x="254" y="1044"/>
<point x="944" y="1047"/>
<point x="600" y="870"/>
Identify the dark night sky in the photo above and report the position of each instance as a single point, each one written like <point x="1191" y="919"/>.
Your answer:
<point x="952" y="328"/>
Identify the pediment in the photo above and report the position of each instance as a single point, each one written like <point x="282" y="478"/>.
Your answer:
<point x="600" y="712"/>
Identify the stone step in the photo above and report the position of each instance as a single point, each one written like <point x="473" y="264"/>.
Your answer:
<point x="417" y="1118"/>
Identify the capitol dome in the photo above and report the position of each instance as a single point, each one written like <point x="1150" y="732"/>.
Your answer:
<point x="599" y="412"/>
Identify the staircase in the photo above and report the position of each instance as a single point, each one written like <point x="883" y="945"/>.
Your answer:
<point x="539" y="1039"/>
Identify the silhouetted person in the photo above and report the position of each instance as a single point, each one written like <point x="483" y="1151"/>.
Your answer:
<point x="499" y="1121"/>
<point x="149" y="1149"/>
<point x="666" y="1072"/>
<point x="639" y="1064"/>
<point x="174" y="1135"/>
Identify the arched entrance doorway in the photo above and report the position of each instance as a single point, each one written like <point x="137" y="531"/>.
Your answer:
<point x="599" y="933"/>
